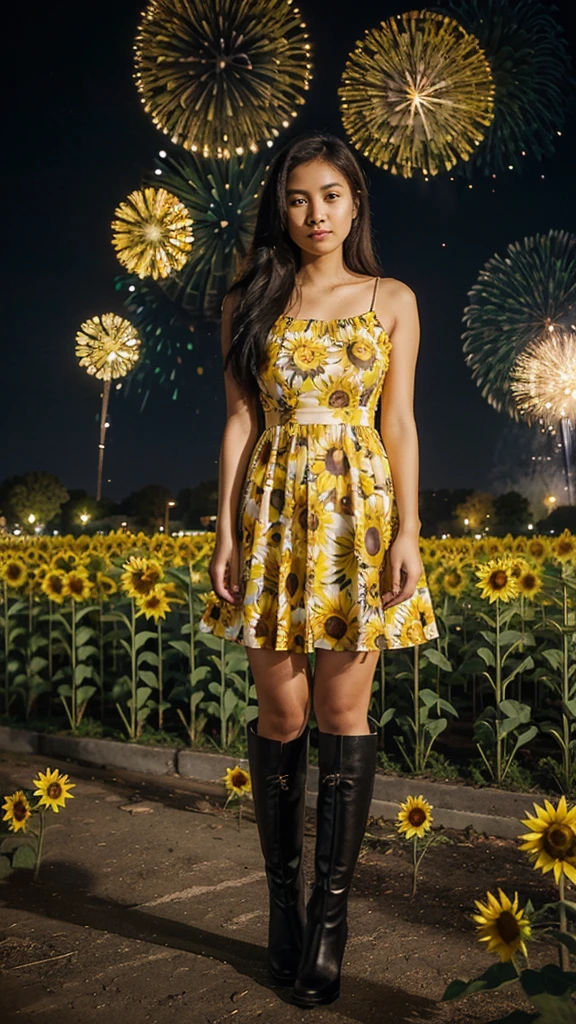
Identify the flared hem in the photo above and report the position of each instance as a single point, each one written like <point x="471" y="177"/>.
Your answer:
<point x="318" y="645"/>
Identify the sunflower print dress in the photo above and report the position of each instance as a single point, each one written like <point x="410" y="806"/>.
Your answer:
<point x="318" y="512"/>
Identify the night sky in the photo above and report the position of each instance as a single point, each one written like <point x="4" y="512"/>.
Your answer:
<point x="78" y="143"/>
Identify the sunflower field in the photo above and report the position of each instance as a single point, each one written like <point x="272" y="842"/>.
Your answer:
<point x="99" y="636"/>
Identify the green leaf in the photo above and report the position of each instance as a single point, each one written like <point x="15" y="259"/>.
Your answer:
<point x="494" y="977"/>
<point x="86" y="651"/>
<point x="510" y="636"/>
<point x="148" y="658"/>
<point x="386" y="717"/>
<point x="526" y="663"/>
<point x="437" y="658"/>
<point x="141" y="638"/>
<point x="142" y="694"/>
<point x="150" y="678"/>
<point x="82" y="672"/>
<point x="550" y="978"/>
<point x="566" y="939"/>
<point x="65" y="690"/>
<point x="24" y="857"/>
<point x="486" y="655"/>
<point x="181" y="645"/>
<point x="84" y="693"/>
<point x="514" y="709"/>
<point x="5" y="867"/>
<point x="554" y="657"/>
<point x="435" y="726"/>
<point x="37" y="664"/>
<point x="83" y="635"/>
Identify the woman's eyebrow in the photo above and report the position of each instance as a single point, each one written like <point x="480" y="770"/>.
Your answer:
<point x="293" y="191"/>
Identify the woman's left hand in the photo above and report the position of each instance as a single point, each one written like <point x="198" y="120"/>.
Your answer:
<point x="407" y="568"/>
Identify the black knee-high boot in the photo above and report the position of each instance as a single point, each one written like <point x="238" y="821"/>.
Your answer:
<point x="346" y="767"/>
<point x="278" y="772"/>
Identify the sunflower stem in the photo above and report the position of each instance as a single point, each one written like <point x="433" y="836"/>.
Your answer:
<point x="566" y="752"/>
<point x="498" y="696"/>
<point x="564" y="957"/>
<point x="415" y="864"/>
<point x="40" y="845"/>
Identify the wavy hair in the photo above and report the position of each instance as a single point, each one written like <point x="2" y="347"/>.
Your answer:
<point x="267" y="277"/>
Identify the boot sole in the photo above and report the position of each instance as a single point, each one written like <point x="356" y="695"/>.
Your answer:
<point x="321" y="1001"/>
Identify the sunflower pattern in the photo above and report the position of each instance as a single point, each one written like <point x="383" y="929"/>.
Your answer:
<point x="318" y="512"/>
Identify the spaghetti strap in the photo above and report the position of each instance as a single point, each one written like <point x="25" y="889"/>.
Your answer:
<point x="374" y="293"/>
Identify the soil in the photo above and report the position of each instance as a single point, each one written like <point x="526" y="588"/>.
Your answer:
<point x="151" y="906"/>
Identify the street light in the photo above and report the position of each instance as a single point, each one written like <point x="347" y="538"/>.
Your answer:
<point x="169" y="504"/>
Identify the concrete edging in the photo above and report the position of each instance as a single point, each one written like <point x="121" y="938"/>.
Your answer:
<point x="494" y="811"/>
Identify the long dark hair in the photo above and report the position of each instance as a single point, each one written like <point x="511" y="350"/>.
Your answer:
<point x="267" y="277"/>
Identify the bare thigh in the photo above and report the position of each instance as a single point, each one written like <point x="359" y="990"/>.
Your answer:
<point x="342" y="690"/>
<point x="283" y="683"/>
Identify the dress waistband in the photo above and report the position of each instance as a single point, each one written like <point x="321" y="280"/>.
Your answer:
<point x="354" y="417"/>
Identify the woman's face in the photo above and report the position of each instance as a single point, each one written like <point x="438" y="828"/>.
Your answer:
<point x="318" y="197"/>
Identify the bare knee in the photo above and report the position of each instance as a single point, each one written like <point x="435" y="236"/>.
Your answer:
<point x="282" y="681"/>
<point x="346" y="720"/>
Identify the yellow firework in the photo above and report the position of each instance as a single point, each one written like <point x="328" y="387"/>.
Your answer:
<point x="224" y="76"/>
<point x="108" y="346"/>
<point x="417" y="94"/>
<point x="152" y="233"/>
<point x="543" y="378"/>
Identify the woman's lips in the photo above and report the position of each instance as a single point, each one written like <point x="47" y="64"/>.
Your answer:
<point x="319" y="234"/>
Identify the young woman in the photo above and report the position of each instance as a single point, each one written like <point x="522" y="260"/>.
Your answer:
<point x="317" y="531"/>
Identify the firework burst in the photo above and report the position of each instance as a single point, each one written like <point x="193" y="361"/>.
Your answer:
<point x="530" y="63"/>
<point x="220" y="77"/>
<point x="152" y="233"/>
<point x="107" y="346"/>
<point x="417" y="94"/>
<point x="516" y="300"/>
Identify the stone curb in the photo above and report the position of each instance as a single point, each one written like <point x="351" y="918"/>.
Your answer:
<point x="496" y="812"/>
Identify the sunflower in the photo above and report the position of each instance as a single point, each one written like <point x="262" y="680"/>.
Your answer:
<point x="502" y="925"/>
<point x="551" y="844"/>
<point x="77" y="585"/>
<point x="66" y="560"/>
<point x="334" y="615"/>
<point x="105" y="585"/>
<point x="538" y="548"/>
<point x="237" y="780"/>
<point x="53" y="789"/>
<point x="496" y="580"/>
<point x="451" y="578"/>
<point x="141" y="575"/>
<point x="53" y="585"/>
<point x="14" y="572"/>
<point x="155" y="604"/>
<point x="414" y="817"/>
<point x="18" y="811"/>
<point x="563" y="548"/>
<point x="529" y="583"/>
<point x="303" y="353"/>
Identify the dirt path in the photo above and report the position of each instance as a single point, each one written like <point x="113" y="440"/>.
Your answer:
<point x="151" y="906"/>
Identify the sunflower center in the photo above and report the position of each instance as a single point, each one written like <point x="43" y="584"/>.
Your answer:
<point x="499" y="579"/>
<point x="239" y="779"/>
<point x="20" y="810"/>
<point x="416" y="817"/>
<point x="508" y="927"/>
<point x="54" y="790"/>
<point x="560" y="841"/>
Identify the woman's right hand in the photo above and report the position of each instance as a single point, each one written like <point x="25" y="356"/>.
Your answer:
<point x="224" y="570"/>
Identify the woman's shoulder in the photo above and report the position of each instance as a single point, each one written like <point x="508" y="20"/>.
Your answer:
<point x="396" y="289"/>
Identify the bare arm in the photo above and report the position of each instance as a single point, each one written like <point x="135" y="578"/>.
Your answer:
<point x="240" y="434"/>
<point x="400" y="437"/>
